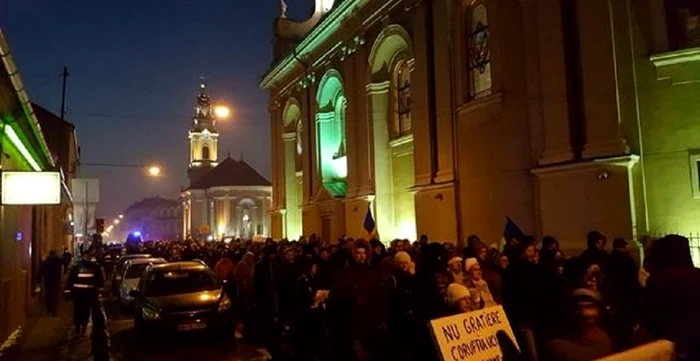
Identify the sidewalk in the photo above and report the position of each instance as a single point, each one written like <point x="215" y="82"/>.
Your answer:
<point x="47" y="338"/>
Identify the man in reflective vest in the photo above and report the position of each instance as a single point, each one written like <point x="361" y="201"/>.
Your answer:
<point x="84" y="281"/>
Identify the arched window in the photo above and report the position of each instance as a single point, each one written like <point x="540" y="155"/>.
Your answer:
<point x="683" y="21"/>
<point x="402" y="86"/>
<point x="478" y="50"/>
<point x="205" y="152"/>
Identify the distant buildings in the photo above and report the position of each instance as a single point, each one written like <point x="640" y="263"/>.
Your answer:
<point x="224" y="199"/>
<point x="155" y="218"/>
<point x="445" y="117"/>
<point x="38" y="144"/>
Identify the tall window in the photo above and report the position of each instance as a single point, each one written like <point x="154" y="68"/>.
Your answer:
<point x="205" y="152"/>
<point x="478" y="50"/>
<point x="300" y="143"/>
<point x="683" y="20"/>
<point x="402" y="121"/>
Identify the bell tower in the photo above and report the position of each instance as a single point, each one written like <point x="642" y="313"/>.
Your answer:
<point x="203" y="137"/>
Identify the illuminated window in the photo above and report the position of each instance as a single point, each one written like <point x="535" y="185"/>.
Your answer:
<point x="683" y="20"/>
<point x="478" y="50"/>
<point x="402" y="121"/>
<point x="694" y="162"/>
<point x="300" y="144"/>
<point x="205" y="152"/>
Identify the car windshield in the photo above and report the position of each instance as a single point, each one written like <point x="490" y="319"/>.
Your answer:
<point x="179" y="282"/>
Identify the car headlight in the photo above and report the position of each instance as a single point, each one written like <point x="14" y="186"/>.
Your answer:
<point x="224" y="304"/>
<point x="150" y="314"/>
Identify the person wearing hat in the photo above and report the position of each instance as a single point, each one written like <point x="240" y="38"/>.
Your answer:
<point x="584" y="339"/>
<point x="454" y="265"/>
<point x="478" y="288"/>
<point x="458" y="298"/>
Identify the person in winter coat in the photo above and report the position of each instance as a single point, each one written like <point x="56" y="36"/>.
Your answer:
<point x="288" y="273"/>
<point x="478" y="288"/>
<point x="243" y="277"/>
<point x="595" y="253"/>
<point x="458" y="298"/>
<point x="405" y="319"/>
<point x="454" y="266"/>
<point x="50" y="274"/>
<point x="622" y="277"/>
<point x="585" y="339"/>
<point x="264" y="278"/>
<point x="324" y="276"/>
<point x="223" y="270"/>
<point x="672" y="296"/>
<point x="523" y="289"/>
<point x="306" y="323"/>
<point x="353" y="301"/>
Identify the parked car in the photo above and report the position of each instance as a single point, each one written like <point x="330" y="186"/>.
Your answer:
<point x="181" y="296"/>
<point x="118" y="270"/>
<point x="131" y="275"/>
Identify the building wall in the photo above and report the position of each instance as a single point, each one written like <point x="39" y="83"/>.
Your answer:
<point x="580" y="130"/>
<point x="668" y="89"/>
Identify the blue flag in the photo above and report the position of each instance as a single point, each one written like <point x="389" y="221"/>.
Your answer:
<point x="512" y="230"/>
<point x="369" y="224"/>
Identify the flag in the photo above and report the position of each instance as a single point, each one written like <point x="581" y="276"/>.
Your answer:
<point x="369" y="224"/>
<point x="512" y="230"/>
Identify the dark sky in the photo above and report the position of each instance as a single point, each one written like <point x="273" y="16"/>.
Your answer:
<point x="134" y="69"/>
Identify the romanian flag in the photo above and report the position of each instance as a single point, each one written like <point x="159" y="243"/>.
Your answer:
<point x="369" y="224"/>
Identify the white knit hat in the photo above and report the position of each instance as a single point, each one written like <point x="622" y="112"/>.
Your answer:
<point x="402" y="257"/>
<point x="455" y="260"/>
<point x="456" y="292"/>
<point x="469" y="263"/>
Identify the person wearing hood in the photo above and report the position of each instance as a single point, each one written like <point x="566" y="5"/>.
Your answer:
<point x="670" y="303"/>
<point x="622" y="276"/>
<point x="404" y="316"/>
<point x="454" y="266"/>
<point x="481" y="297"/>
<point x="595" y="253"/>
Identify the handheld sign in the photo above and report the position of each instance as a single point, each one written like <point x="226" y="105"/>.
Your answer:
<point x="472" y="336"/>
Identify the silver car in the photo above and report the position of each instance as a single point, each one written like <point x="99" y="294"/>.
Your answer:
<point x="130" y="277"/>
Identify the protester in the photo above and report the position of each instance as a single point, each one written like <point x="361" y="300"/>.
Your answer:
<point x="405" y="317"/>
<point x="478" y="289"/>
<point x="585" y="340"/>
<point x="672" y="296"/>
<point x="595" y="253"/>
<point x="622" y="274"/>
<point x="458" y="298"/>
<point x="454" y="266"/>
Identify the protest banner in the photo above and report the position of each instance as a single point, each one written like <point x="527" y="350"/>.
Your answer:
<point x="472" y="336"/>
<point x="655" y="351"/>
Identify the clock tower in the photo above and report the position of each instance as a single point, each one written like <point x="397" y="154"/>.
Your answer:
<point x="203" y="137"/>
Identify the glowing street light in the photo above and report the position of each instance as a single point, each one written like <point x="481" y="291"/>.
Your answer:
<point x="222" y="111"/>
<point x="153" y="171"/>
<point x="116" y="221"/>
<point x="121" y="216"/>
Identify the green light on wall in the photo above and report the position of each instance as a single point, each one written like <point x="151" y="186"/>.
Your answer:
<point x="14" y="138"/>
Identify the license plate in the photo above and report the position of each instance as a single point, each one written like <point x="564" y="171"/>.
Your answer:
<point x="191" y="326"/>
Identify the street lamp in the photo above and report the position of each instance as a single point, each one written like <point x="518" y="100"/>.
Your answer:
<point x="153" y="171"/>
<point x="222" y="111"/>
<point x="116" y="221"/>
<point x="121" y="216"/>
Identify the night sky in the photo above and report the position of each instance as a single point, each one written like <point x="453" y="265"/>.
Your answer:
<point x="134" y="71"/>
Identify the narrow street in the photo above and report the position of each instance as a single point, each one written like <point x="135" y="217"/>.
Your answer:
<point x="126" y="345"/>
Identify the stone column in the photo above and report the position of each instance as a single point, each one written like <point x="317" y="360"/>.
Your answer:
<point x="379" y="100"/>
<point x="600" y="70"/>
<point x="544" y="19"/>
<point x="239" y="220"/>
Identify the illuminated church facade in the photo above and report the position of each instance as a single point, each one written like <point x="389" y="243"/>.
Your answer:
<point x="446" y="117"/>
<point x="226" y="198"/>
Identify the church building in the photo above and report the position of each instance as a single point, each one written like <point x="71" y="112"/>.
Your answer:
<point x="225" y="198"/>
<point x="447" y="117"/>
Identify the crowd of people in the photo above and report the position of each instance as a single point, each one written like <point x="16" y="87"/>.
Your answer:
<point x="357" y="300"/>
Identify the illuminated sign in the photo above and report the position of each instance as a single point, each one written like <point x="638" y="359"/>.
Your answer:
<point x="26" y="188"/>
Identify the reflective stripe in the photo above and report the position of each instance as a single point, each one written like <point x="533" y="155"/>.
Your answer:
<point x="85" y="275"/>
<point x="79" y="285"/>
